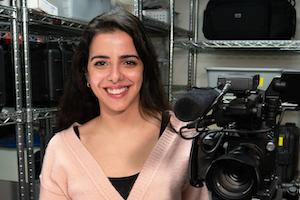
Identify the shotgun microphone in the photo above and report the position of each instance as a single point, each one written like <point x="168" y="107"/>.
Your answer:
<point x="195" y="103"/>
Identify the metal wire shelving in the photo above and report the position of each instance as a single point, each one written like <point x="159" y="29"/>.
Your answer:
<point x="7" y="12"/>
<point x="31" y="25"/>
<point x="282" y="45"/>
<point x="34" y="24"/>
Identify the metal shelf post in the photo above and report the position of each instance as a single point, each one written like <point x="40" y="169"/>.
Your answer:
<point x="18" y="92"/>
<point x="138" y="8"/>
<point x="171" y="51"/>
<point x="192" y="57"/>
<point x="29" y="112"/>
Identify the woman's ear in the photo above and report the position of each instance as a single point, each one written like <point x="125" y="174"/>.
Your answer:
<point x="87" y="80"/>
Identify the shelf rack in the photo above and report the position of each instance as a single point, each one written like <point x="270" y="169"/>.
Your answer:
<point x="163" y="29"/>
<point x="171" y="31"/>
<point x="34" y="22"/>
<point x="7" y="12"/>
<point x="8" y="117"/>
<point x="282" y="45"/>
<point x="6" y="16"/>
<point x="9" y="22"/>
<point x="192" y="35"/>
<point x="65" y="26"/>
<point x="43" y="23"/>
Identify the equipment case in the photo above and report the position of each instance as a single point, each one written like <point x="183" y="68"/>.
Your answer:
<point x="50" y="67"/>
<point x="47" y="75"/>
<point x="249" y="19"/>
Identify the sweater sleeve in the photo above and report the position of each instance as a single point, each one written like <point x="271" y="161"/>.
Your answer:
<point x="51" y="178"/>
<point x="46" y="194"/>
<point x="192" y="193"/>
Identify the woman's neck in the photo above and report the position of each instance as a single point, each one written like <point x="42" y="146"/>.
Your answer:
<point x="128" y="120"/>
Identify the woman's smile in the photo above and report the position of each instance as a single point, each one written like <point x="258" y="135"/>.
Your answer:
<point x="117" y="92"/>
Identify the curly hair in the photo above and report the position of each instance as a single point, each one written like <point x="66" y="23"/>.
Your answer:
<point x="78" y="103"/>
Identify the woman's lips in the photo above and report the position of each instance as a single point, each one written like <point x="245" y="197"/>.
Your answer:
<point x="117" y="92"/>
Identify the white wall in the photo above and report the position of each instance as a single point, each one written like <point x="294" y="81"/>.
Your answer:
<point x="8" y="164"/>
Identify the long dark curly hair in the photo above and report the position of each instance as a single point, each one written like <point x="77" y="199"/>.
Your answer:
<point x="78" y="103"/>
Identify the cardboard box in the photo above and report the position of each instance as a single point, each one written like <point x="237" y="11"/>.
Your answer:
<point x="160" y="14"/>
<point x="81" y="10"/>
<point x="5" y="2"/>
<point x="43" y="5"/>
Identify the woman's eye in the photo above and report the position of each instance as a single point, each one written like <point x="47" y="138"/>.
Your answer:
<point x="100" y="63"/>
<point x="131" y="62"/>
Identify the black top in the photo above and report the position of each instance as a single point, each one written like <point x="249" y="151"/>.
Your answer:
<point x="164" y="123"/>
<point x="124" y="184"/>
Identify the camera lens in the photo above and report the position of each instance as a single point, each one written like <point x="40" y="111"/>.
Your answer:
<point x="231" y="179"/>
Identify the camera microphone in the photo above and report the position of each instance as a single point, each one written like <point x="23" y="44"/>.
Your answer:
<point x="195" y="103"/>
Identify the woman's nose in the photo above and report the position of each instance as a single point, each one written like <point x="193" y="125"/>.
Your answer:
<point x="115" y="74"/>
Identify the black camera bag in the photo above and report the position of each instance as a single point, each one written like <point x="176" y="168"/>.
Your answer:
<point x="249" y="19"/>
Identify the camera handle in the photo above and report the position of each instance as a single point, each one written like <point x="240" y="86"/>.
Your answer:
<point x="194" y="176"/>
<point x="288" y="107"/>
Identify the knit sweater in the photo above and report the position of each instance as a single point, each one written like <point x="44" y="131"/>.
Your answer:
<point x="70" y="172"/>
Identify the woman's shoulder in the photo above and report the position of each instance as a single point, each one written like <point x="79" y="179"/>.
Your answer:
<point x="61" y="136"/>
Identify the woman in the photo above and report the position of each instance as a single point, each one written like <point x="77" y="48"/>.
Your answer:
<point x="116" y="140"/>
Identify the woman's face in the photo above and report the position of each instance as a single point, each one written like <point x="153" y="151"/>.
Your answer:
<point x="115" y="71"/>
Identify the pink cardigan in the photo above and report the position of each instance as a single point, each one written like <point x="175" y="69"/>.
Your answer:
<point x="70" y="172"/>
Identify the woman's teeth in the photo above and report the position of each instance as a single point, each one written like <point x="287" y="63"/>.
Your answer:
<point x="116" y="90"/>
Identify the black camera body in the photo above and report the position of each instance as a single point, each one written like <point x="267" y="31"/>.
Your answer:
<point x="242" y="167"/>
<point x="249" y="154"/>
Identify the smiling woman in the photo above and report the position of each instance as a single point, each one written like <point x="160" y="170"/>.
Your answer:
<point x="115" y="71"/>
<point x="152" y="97"/>
<point x="118" y="137"/>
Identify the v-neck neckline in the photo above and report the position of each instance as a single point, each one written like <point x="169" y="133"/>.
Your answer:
<point x="101" y="181"/>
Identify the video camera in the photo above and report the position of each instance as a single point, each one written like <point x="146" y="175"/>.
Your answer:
<point x="240" y="148"/>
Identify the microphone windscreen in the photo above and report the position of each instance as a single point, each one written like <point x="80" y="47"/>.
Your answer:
<point x="195" y="103"/>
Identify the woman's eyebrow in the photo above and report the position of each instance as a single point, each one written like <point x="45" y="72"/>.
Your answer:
<point x="99" y="56"/>
<point x="122" y="57"/>
<point x="130" y="56"/>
